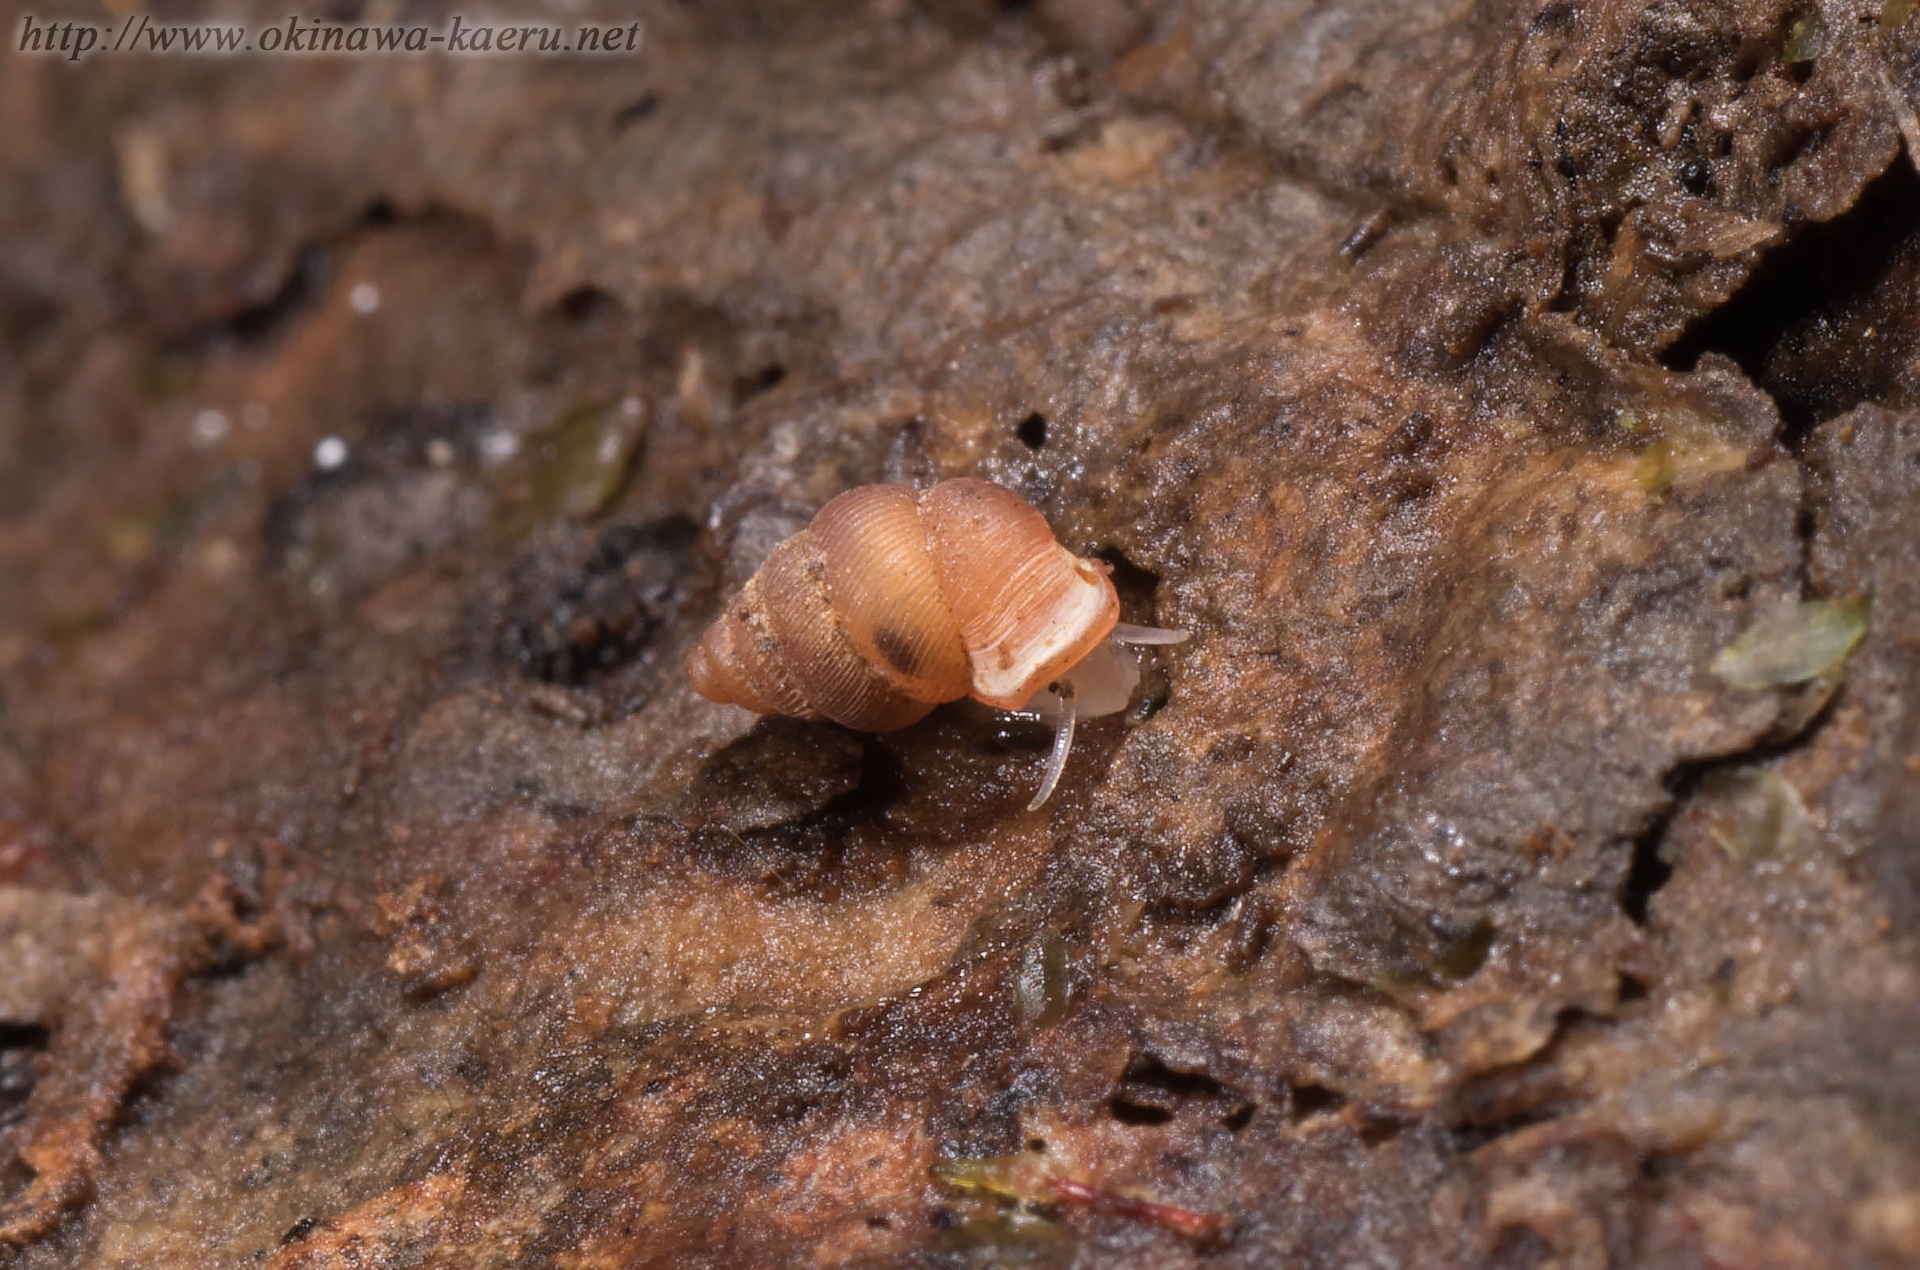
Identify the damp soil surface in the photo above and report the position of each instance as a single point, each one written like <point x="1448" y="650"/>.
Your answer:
<point x="1519" y="402"/>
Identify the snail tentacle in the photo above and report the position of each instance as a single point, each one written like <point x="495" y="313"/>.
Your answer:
<point x="1128" y="633"/>
<point x="1062" y="745"/>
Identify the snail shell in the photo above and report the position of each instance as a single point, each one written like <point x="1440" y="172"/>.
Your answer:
<point x="894" y="600"/>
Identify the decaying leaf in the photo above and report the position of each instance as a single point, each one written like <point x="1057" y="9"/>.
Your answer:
<point x="576" y="465"/>
<point x="1758" y="814"/>
<point x="1655" y="469"/>
<point x="1025" y="1177"/>
<point x="1806" y="39"/>
<point x="1043" y="988"/>
<point x="1032" y="1179"/>
<point x="1792" y="647"/>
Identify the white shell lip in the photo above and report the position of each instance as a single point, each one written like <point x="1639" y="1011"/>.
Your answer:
<point x="1008" y="674"/>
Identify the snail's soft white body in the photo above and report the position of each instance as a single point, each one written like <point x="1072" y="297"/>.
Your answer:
<point x="895" y="600"/>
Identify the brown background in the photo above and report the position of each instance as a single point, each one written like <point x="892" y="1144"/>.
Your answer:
<point x="373" y="892"/>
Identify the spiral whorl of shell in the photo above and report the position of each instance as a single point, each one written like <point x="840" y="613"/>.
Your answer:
<point x="893" y="601"/>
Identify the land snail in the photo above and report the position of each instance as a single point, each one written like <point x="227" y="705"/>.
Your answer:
<point x="895" y="600"/>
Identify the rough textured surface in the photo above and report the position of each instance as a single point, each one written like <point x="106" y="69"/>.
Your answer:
<point x="373" y="892"/>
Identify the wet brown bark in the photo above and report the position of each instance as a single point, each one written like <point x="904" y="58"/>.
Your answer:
<point x="376" y="435"/>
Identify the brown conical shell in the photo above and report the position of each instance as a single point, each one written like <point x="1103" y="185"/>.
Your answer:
<point x="891" y="602"/>
<point x="887" y="592"/>
<point x="836" y="680"/>
<point x="712" y="670"/>
<point x="757" y="658"/>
